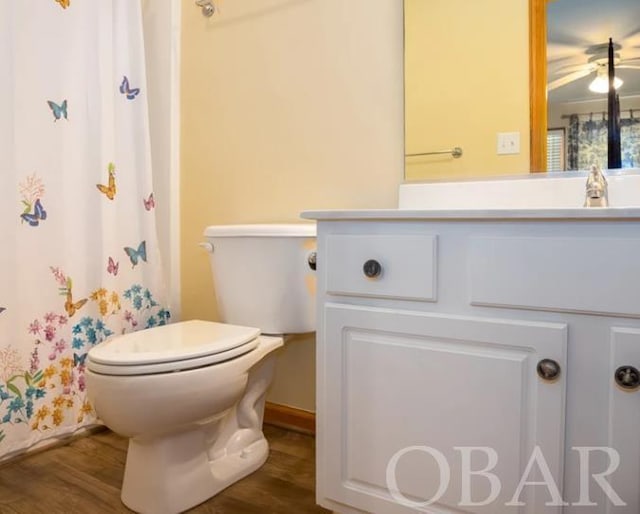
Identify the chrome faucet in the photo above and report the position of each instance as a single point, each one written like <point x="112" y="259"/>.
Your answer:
<point x="597" y="190"/>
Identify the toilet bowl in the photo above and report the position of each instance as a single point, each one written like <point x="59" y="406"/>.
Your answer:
<point x="190" y="396"/>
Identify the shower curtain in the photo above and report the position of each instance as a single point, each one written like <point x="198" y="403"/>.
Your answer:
<point x="79" y="258"/>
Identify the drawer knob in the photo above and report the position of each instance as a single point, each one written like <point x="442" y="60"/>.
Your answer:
<point x="627" y="377"/>
<point x="548" y="369"/>
<point x="372" y="268"/>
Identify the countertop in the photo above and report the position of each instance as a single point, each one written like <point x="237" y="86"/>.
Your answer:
<point x="576" y="214"/>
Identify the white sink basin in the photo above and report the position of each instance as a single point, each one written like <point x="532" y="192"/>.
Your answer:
<point x="533" y="191"/>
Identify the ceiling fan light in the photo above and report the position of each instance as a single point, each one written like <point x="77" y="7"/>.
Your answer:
<point x="601" y="84"/>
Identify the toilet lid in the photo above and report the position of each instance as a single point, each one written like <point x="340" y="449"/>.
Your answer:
<point x="167" y="347"/>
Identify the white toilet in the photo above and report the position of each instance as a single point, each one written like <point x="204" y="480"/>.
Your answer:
<point x="190" y="396"/>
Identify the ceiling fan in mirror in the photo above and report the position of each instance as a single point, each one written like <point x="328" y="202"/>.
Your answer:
<point x="596" y="62"/>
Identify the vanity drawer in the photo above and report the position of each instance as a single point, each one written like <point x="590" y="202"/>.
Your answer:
<point x="591" y="275"/>
<point x="386" y="266"/>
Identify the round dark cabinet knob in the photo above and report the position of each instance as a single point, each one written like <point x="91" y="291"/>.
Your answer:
<point x="372" y="268"/>
<point x="627" y="377"/>
<point x="548" y="369"/>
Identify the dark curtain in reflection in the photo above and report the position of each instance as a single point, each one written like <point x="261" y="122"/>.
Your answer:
<point x="587" y="141"/>
<point x="630" y="137"/>
<point x="573" y="136"/>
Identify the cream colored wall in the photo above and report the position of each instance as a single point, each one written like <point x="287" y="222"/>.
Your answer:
<point x="287" y="105"/>
<point x="467" y="78"/>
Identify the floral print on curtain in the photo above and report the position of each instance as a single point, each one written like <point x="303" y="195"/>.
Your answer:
<point x="630" y="141"/>
<point x="79" y="260"/>
<point x="587" y="141"/>
<point x="573" y="136"/>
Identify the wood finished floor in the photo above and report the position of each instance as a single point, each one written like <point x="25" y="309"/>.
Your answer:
<point x="85" y="477"/>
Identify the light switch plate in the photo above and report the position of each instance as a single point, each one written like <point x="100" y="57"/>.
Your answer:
<point x="508" y="143"/>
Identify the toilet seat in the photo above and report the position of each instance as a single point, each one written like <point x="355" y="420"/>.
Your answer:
<point x="177" y="347"/>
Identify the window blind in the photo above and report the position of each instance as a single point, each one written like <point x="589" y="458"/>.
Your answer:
<point x="556" y="149"/>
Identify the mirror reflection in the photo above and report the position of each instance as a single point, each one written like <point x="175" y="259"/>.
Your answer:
<point x="578" y="32"/>
<point x="467" y="84"/>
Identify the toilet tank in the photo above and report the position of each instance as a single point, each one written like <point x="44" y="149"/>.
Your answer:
<point x="262" y="277"/>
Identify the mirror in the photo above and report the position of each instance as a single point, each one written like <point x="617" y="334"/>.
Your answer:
<point x="477" y="78"/>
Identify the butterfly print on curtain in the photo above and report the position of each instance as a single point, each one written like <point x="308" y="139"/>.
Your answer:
<point x="110" y="189"/>
<point x="59" y="111"/>
<point x="32" y="190"/>
<point x="127" y="90"/>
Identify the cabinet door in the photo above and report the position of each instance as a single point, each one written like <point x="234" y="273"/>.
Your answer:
<point x="423" y="387"/>
<point x="624" y="424"/>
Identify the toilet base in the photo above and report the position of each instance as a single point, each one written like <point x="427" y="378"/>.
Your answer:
<point x="173" y="474"/>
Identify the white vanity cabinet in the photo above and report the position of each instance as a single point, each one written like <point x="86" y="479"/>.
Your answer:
<point x="469" y="358"/>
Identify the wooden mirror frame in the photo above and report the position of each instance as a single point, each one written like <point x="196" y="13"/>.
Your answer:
<point x="538" y="85"/>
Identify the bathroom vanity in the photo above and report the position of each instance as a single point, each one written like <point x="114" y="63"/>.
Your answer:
<point x="457" y="345"/>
